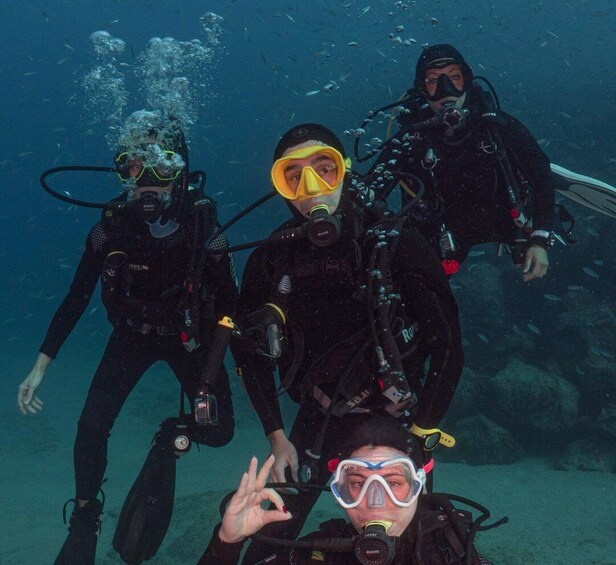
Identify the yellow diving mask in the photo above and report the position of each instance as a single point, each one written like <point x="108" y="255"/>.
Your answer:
<point x="165" y="165"/>
<point x="309" y="172"/>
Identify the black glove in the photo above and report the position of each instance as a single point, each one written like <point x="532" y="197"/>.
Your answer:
<point x="265" y="327"/>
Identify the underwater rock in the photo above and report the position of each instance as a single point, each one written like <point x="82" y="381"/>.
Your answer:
<point x="594" y="453"/>
<point x="606" y="421"/>
<point x="496" y="446"/>
<point x="590" y="319"/>
<point x="483" y="295"/>
<point x="537" y="407"/>
<point x="596" y="381"/>
<point x="469" y="395"/>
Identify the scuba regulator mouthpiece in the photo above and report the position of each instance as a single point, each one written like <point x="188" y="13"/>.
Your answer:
<point x="452" y="117"/>
<point x="322" y="229"/>
<point x="373" y="546"/>
<point x="149" y="206"/>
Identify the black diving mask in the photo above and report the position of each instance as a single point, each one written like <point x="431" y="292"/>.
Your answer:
<point x="444" y="89"/>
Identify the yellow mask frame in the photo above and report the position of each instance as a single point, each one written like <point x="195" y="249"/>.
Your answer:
<point x="310" y="184"/>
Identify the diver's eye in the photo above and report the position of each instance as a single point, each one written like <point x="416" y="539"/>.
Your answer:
<point x="327" y="169"/>
<point x="356" y="485"/>
<point x="293" y="179"/>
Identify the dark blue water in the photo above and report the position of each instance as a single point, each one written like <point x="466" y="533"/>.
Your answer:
<point x="551" y="63"/>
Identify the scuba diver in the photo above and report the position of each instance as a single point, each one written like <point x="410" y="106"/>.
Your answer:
<point x="379" y="482"/>
<point x="347" y="302"/>
<point x="163" y="290"/>
<point x="486" y="178"/>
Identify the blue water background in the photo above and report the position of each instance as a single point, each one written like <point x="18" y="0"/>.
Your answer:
<point x="551" y="63"/>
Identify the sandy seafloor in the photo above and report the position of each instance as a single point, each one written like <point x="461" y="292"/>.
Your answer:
<point x="556" y="517"/>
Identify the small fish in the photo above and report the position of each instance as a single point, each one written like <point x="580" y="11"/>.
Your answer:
<point x="533" y="329"/>
<point x="590" y="272"/>
<point x="567" y="63"/>
<point x="365" y="10"/>
<point x="290" y="18"/>
<point x="543" y="44"/>
<point x="476" y="253"/>
<point x="574" y="287"/>
<point x="598" y="262"/>
<point x="483" y="338"/>
<point x="312" y="92"/>
<point x="552" y="34"/>
<point x="66" y="266"/>
<point x="92" y="310"/>
<point x="68" y="46"/>
<point x="552" y="297"/>
<point x="601" y="352"/>
<point x="25" y="153"/>
<point x="565" y="115"/>
<point x="352" y="44"/>
<point x="578" y="370"/>
<point x="31" y="73"/>
<point x="63" y="60"/>
<point x="592" y="231"/>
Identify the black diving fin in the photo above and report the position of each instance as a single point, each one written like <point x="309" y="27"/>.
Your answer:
<point x="146" y="513"/>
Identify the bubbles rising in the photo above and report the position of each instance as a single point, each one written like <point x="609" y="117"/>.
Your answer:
<point x="104" y="85"/>
<point x="173" y="76"/>
<point x="105" y="44"/>
<point x="166" y="68"/>
<point x="212" y="27"/>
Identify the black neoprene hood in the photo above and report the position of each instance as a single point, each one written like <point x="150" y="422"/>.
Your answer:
<point x="386" y="432"/>
<point x="308" y="132"/>
<point x="437" y="57"/>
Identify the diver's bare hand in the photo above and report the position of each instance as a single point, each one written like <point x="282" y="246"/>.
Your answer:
<point x="244" y="515"/>
<point x="27" y="400"/>
<point x="537" y="258"/>
<point x="286" y="456"/>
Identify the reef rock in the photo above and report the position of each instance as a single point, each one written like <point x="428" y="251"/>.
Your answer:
<point x="480" y="441"/>
<point x="537" y="407"/>
<point x="469" y="395"/>
<point x="594" y="453"/>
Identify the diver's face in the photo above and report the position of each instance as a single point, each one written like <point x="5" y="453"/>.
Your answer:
<point x="323" y="166"/>
<point x="455" y="75"/>
<point x="135" y="169"/>
<point x="399" y="517"/>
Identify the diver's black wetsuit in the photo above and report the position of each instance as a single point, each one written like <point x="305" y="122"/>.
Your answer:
<point x="433" y="550"/>
<point x="472" y="190"/>
<point x="328" y="319"/>
<point x="146" y="329"/>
